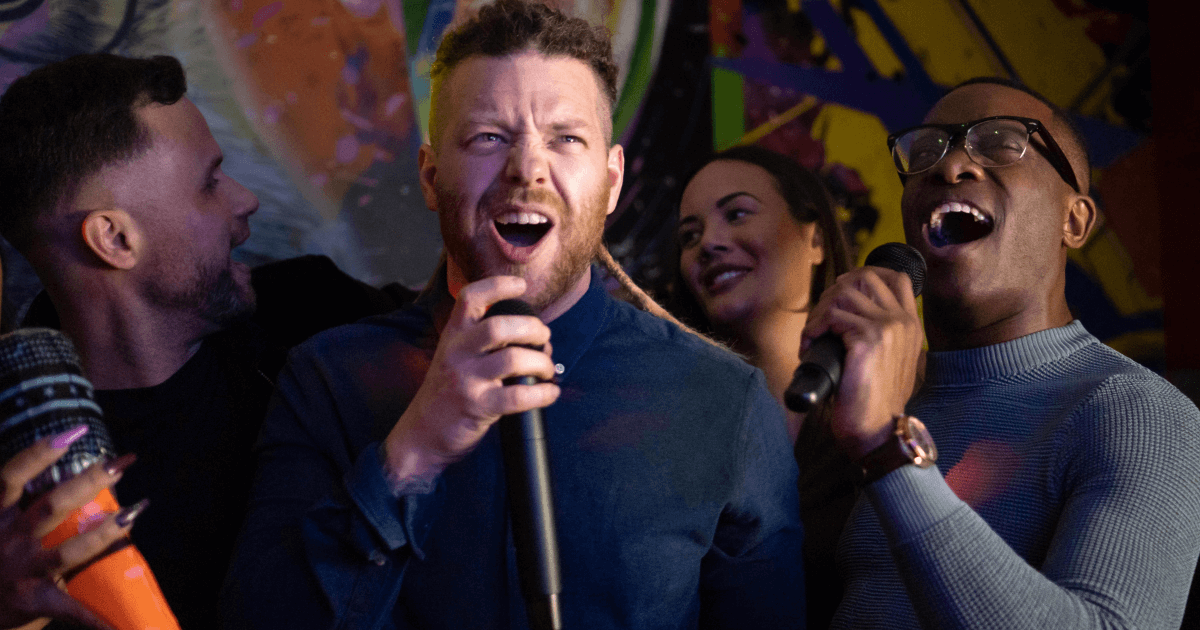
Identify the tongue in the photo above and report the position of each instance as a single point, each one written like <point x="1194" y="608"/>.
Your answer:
<point x="958" y="228"/>
<point x="522" y="235"/>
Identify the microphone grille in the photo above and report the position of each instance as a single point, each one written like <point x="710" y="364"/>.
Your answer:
<point x="42" y="393"/>
<point x="900" y="257"/>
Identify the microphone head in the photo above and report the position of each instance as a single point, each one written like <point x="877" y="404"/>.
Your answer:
<point x="900" y="257"/>
<point x="43" y="393"/>
<point x="511" y="306"/>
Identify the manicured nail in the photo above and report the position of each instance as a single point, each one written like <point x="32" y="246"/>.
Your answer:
<point x="119" y="464"/>
<point x="126" y="515"/>
<point x="63" y="440"/>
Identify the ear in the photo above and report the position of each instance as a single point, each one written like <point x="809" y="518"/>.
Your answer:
<point x="427" y="171"/>
<point x="1080" y="219"/>
<point x="616" y="175"/>
<point x="114" y="237"/>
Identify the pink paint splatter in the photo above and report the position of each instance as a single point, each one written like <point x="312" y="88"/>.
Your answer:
<point x="369" y="182"/>
<point x="235" y="5"/>
<point x="271" y="114"/>
<point x="320" y="21"/>
<point x="347" y="149"/>
<point x="292" y="98"/>
<point x="393" y="104"/>
<point x="349" y="75"/>
<point x="364" y="200"/>
<point x="383" y="156"/>
<point x="266" y="13"/>
<point x="246" y="41"/>
<point x="362" y="8"/>
<point x="356" y="120"/>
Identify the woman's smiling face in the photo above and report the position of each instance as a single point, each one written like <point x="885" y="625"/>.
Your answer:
<point x="742" y="253"/>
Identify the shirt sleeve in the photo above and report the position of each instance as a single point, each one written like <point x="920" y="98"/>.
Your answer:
<point x="1125" y="543"/>
<point x="753" y="576"/>
<point x="325" y="543"/>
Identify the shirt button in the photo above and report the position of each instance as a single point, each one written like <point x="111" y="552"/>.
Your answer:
<point x="378" y="558"/>
<point x="559" y="368"/>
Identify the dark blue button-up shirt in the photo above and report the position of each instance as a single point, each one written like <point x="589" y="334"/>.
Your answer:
<point x="673" y="478"/>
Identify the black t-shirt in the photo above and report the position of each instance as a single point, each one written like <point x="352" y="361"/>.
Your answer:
<point x="194" y="435"/>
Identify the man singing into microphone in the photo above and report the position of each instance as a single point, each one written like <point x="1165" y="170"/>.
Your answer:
<point x="380" y="500"/>
<point x="1056" y="485"/>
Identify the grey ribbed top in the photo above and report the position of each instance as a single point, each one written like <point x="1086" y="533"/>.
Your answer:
<point x="1066" y="496"/>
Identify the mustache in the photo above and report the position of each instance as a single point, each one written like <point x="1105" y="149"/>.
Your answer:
<point x="522" y="196"/>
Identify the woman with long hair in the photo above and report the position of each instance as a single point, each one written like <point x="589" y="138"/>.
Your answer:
<point x="758" y="242"/>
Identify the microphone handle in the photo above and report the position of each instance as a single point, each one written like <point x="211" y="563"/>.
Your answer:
<point x="817" y="375"/>
<point x="527" y="469"/>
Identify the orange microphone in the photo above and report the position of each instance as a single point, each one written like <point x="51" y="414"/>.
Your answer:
<point x="43" y="393"/>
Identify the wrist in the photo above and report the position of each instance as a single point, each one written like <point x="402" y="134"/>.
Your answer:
<point x="908" y="444"/>
<point x="409" y="469"/>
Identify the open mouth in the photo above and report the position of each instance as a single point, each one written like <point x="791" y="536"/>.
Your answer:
<point x="956" y="223"/>
<point x="522" y="229"/>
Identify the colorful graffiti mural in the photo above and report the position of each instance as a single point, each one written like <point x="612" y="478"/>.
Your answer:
<point x="824" y="81"/>
<point x="320" y="106"/>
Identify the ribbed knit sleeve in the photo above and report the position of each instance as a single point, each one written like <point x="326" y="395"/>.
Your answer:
<point x="1073" y="499"/>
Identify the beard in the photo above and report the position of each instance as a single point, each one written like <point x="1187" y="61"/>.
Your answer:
<point x="212" y="294"/>
<point x="579" y="235"/>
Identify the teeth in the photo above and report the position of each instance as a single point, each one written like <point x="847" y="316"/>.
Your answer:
<point x="935" y="221"/>
<point x="726" y="275"/>
<point x="523" y="218"/>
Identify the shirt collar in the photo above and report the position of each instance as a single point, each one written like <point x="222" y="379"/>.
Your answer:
<point x="570" y="333"/>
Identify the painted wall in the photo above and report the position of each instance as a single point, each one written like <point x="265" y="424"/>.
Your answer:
<point x="319" y="105"/>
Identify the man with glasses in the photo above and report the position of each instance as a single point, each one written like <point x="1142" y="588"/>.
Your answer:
<point x="1065" y="489"/>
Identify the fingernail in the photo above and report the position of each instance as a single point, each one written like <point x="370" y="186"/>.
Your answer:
<point x="119" y="464"/>
<point x="63" y="440"/>
<point x="126" y="515"/>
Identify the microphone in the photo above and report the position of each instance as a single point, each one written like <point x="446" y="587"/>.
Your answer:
<point x="820" y="368"/>
<point x="527" y="470"/>
<point x="43" y="393"/>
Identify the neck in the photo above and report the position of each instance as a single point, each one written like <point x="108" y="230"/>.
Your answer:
<point x="957" y="326"/>
<point x="123" y="344"/>
<point x="771" y="343"/>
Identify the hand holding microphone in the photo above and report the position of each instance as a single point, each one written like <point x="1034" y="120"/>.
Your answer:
<point x="863" y="340"/>
<point x="58" y="518"/>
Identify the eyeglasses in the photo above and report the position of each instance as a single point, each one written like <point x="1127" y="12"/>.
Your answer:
<point x="990" y="142"/>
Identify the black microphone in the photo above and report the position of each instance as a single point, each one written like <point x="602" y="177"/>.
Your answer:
<point x="820" y="368"/>
<point x="527" y="469"/>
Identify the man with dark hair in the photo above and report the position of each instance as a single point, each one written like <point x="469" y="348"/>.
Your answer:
<point x="1064" y="493"/>
<point x="380" y="500"/>
<point x="113" y="190"/>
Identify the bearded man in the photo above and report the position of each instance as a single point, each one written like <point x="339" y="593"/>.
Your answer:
<point x="380" y="497"/>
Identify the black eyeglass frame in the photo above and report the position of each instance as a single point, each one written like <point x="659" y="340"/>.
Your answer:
<point x="1054" y="153"/>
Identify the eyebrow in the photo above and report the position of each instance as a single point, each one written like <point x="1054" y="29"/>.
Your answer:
<point x="734" y="195"/>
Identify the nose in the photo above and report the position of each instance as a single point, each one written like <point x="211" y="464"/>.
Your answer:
<point x="713" y="241"/>
<point x="957" y="165"/>
<point x="527" y="165"/>
<point x="245" y="203"/>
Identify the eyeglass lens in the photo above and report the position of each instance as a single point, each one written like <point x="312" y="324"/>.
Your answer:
<point x="988" y="143"/>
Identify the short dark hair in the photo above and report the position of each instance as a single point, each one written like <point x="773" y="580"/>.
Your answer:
<point x="1075" y="146"/>
<point x="808" y="201"/>
<point x="512" y="26"/>
<point x="63" y="122"/>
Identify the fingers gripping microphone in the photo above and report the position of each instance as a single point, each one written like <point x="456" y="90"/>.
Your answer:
<point x="527" y="470"/>
<point x="820" y="368"/>
<point x="43" y="393"/>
